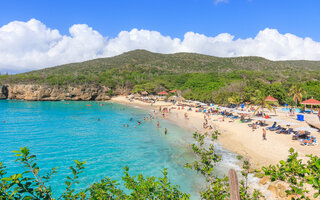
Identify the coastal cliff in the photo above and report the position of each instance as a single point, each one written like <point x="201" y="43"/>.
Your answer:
<point x="32" y="92"/>
<point x="3" y="92"/>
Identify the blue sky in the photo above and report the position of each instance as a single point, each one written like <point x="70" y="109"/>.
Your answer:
<point x="241" y="18"/>
<point x="42" y="33"/>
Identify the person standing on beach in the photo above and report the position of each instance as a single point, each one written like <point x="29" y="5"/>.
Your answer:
<point x="264" y="134"/>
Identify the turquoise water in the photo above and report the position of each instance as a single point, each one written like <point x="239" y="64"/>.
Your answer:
<point x="297" y="110"/>
<point x="60" y="132"/>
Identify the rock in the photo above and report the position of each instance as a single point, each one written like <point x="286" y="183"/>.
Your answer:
<point x="273" y="188"/>
<point x="56" y="93"/>
<point x="251" y="170"/>
<point x="264" y="180"/>
<point x="102" y="97"/>
<point x="281" y="190"/>
<point x="3" y="92"/>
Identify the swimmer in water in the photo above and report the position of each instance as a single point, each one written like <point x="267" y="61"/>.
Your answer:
<point x="124" y="125"/>
<point x="98" y="119"/>
<point x="131" y="119"/>
<point x="139" y="122"/>
<point x="127" y="125"/>
<point x="158" y="124"/>
<point x="165" y="131"/>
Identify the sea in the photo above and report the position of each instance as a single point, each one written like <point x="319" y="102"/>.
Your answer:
<point x="105" y="135"/>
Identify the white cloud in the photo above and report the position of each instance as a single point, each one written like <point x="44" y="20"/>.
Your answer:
<point x="220" y="1"/>
<point x="31" y="45"/>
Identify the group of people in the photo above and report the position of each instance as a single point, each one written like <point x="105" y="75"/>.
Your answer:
<point x="205" y="123"/>
<point x="149" y="118"/>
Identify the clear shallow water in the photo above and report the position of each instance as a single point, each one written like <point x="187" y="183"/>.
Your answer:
<point x="58" y="133"/>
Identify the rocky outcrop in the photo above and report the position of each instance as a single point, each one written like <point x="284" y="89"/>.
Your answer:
<point x="56" y="93"/>
<point x="3" y="92"/>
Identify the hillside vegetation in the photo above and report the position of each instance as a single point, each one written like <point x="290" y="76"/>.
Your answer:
<point x="200" y="77"/>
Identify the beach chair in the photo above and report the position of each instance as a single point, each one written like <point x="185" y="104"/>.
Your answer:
<point x="272" y="127"/>
<point x="289" y="131"/>
<point x="314" y="143"/>
<point x="276" y="128"/>
<point x="305" y="142"/>
<point x="281" y="131"/>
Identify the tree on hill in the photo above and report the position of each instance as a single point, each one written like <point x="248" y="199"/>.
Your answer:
<point x="297" y="93"/>
<point x="260" y="100"/>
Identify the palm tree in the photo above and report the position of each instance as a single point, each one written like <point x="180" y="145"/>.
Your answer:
<point x="260" y="100"/>
<point x="235" y="99"/>
<point x="296" y="93"/>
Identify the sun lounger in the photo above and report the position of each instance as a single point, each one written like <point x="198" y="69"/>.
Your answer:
<point x="272" y="127"/>
<point x="276" y="128"/>
<point x="300" y="135"/>
<point x="310" y="141"/>
<point x="284" y="131"/>
<point x="281" y="131"/>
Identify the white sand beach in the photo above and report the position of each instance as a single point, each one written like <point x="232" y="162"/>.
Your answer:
<point x="238" y="137"/>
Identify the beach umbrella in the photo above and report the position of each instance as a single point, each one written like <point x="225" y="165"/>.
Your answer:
<point x="163" y="93"/>
<point x="306" y="128"/>
<point x="311" y="101"/>
<point x="173" y="91"/>
<point x="270" y="98"/>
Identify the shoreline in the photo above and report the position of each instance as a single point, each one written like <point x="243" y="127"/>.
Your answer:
<point x="235" y="137"/>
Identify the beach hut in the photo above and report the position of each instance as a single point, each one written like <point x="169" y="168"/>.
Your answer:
<point x="144" y="93"/>
<point x="270" y="98"/>
<point x="311" y="102"/>
<point x="163" y="93"/>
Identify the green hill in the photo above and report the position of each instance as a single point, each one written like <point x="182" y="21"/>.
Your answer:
<point x="179" y="63"/>
<point x="201" y="77"/>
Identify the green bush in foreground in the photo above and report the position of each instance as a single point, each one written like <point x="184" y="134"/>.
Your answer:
<point x="297" y="174"/>
<point x="217" y="187"/>
<point x="24" y="186"/>
<point x="33" y="184"/>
